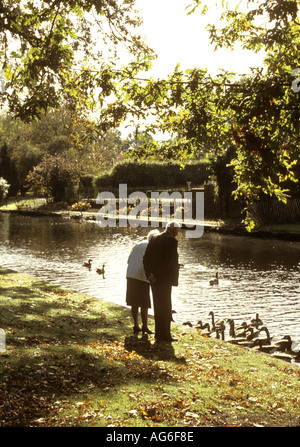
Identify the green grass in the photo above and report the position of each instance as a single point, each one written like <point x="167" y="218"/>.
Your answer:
<point x="14" y="204"/>
<point x="71" y="360"/>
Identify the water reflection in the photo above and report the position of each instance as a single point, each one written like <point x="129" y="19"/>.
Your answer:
<point x="255" y="275"/>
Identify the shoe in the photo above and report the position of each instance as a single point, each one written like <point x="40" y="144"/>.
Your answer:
<point x="167" y="340"/>
<point x="146" y="330"/>
<point x="136" y="329"/>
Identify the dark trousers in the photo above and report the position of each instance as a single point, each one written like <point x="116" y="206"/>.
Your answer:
<point x="162" y="304"/>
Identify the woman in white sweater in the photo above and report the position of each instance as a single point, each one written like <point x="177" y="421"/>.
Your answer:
<point x="138" y="287"/>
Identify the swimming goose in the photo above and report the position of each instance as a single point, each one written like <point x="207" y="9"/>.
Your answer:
<point x="215" y="281"/>
<point x="88" y="263"/>
<point x="100" y="271"/>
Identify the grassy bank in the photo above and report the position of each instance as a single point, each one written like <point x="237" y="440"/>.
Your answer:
<point x="72" y="360"/>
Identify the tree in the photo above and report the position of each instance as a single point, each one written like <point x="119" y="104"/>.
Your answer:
<point x="8" y="170"/>
<point x="55" y="177"/>
<point x="56" y="52"/>
<point x="258" y="113"/>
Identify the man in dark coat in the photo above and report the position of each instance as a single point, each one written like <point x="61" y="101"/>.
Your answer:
<point x="162" y="268"/>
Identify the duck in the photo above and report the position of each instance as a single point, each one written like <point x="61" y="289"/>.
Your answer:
<point x="100" y="271"/>
<point x="88" y="264"/>
<point x="215" y="281"/>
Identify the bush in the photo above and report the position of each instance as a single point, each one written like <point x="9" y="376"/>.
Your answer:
<point x="81" y="206"/>
<point x="4" y="187"/>
<point x="87" y="186"/>
<point x="154" y="174"/>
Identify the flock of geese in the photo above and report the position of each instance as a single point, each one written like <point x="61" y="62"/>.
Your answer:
<point x="252" y="334"/>
<point x="88" y="264"/>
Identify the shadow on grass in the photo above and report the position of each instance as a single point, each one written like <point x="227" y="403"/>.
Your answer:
<point x="156" y="351"/>
<point x="46" y="313"/>
<point x="60" y="349"/>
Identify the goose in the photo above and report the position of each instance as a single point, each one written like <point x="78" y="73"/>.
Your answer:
<point x="242" y="327"/>
<point x="238" y="340"/>
<point x="253" y="334"/>
<point x="255" y="321"/>
<point x="215" y="281"/>
<point x="296" y="355"/>
<point x="218" y="326"/>
<point x="173" y="312"/>
<point x="88" y="263"/>
<point x="266" y="340"/>
<point x="187" y="323"/>
<point x="239" y="337"/>
<point x="220" y="330"/>
<point x="258" y="345"/>
<point x="200" y="325"/>
<point x="205" y="330"/>
<point x="100" y="271"/>
<point x="214" y="323"/>
<point x="239" y="331"/>
<point x="231" y="327"/>
<point x="284" y="344"/>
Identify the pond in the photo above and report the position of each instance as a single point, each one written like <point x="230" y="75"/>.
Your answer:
<point x="255" y="275"/>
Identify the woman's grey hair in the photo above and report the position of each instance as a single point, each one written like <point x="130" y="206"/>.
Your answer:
<point x="152" y="233"/>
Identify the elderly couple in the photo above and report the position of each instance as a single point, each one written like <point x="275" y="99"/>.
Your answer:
<point x="154" y="262"/>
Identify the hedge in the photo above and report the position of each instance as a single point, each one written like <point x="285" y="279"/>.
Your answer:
<point x="154" y="174"/>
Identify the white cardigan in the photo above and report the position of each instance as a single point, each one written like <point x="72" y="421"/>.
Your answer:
<point x="135" y="268"/>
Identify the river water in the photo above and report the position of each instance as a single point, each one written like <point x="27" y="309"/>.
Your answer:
<point x="255" y="275"/>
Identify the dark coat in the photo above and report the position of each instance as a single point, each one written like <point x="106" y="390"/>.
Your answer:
<point x="161" y="259"/>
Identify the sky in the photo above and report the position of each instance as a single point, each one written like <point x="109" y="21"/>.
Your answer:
<point x="177" y="37"/>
